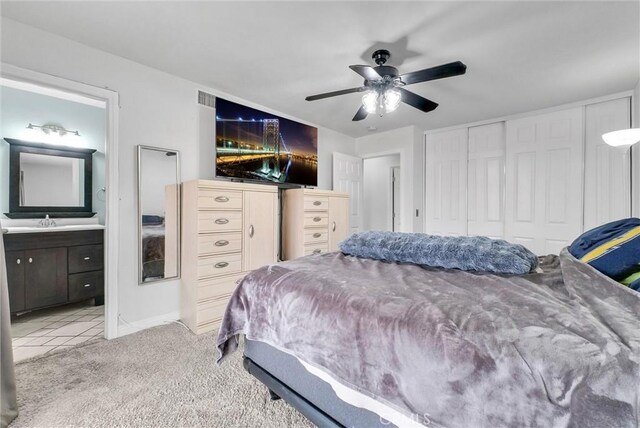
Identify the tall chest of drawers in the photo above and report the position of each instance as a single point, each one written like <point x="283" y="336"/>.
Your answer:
<point x="228" y="230"/>
<point x="314" y="221"/>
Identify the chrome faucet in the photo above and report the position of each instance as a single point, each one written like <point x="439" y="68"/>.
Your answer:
<point x="47" y="222"/>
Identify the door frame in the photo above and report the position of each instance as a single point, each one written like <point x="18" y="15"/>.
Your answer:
<point x="392" y="204"/>
<point x="111" y="100"/>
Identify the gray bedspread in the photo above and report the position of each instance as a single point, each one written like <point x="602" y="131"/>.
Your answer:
<point x="452" y="348"/>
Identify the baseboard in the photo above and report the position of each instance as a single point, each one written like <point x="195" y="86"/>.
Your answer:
<point x="125" y="328"/>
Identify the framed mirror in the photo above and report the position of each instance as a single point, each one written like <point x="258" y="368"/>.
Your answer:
<point x="46" y="179"/>
<point x="158" y="214"/>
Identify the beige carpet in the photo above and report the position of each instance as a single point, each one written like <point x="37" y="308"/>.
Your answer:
<point x="161" y="377"/>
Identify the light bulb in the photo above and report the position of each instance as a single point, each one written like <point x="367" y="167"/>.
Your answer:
<point x="370" y="102"/>
<point x="391" y="100"/>
<point x="624" y="137"/>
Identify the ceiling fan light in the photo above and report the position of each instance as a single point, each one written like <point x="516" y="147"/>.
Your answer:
<point x="391" y="100"/>
<point x="622" y="138"/>
<point x="370" y="102"/>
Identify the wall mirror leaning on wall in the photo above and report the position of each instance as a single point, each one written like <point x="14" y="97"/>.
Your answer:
<point x="46" y="179"/>
<point x="158" y="214"/>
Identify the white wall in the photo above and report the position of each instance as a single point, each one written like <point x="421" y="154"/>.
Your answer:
<point x="19" y="108"/>
<point x="406" y="142"/>
<point x="635" y="112"/>
<point x="156" y="109"/>
<point x="377" y="192"/>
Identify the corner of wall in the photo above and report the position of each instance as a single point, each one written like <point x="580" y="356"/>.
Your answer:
<point x="635" y="119"/>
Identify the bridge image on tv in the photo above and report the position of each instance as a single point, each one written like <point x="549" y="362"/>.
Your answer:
<point x="251" y="144"/>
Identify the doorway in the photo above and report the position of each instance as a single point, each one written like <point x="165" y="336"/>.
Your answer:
<point x="381" y="193"/>
<point x="106" y="197"/>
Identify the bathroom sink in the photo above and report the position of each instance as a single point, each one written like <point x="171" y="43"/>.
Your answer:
<point x="61" y="228"/>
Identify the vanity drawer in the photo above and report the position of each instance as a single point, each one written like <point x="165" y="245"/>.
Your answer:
<point x="85" y="258"/>
<point x="313" y="203"/>
<point x="210" y="289"/>
<point x="219" y="265"/>
<point x="315" y="249"/>
<point x="219" y="221"/>
<point x="219" y="243"/>
<point x="84" y="286"/>
<point x="220" y="199"/>
<point x="314" y="236"/>
<point x="316" y="219"/>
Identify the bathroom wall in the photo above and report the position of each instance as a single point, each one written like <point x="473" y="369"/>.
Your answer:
<point x="19" y="107"/>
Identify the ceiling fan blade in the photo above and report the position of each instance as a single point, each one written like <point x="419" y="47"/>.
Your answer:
<point x="335" y="93"/>
<point x="366" y="71"/>
<point x="415" y="100"/>
<point x="360" y="115"/>
<point x="440" y="72"/>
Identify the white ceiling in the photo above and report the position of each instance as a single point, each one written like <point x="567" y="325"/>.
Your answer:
<point x="520" y="56"/>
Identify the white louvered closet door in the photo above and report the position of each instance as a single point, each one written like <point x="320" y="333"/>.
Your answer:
<point x="544" y="188"/>
<point x="446" y="183"/>
<point x="606" y="170"/>
<point x="486" y="180"/>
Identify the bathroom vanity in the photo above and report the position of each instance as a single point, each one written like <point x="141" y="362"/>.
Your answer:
<point x="51" y="267"/>
<point x="54" y="243"/>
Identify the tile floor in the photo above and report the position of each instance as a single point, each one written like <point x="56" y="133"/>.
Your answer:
<point x="63" y="327"/>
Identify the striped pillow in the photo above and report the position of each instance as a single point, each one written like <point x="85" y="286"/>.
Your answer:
<point x="613" y="248"/>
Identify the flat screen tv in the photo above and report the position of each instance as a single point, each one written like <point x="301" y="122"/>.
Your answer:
<point x="255" y="145"/>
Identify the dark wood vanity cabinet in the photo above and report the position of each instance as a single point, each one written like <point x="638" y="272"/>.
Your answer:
<point x="53" y="268"/>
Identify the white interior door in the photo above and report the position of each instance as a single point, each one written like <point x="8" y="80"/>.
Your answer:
<point x="606" y="169"/>
<point x="544" y="188"/>
<point x="446" y="183"/>
<point x="486" y="180"/>
<point x="396" y="214"/>
<point x="347" y="177"/>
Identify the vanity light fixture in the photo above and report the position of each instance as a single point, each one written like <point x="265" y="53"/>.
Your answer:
<point x="48" y="129"/>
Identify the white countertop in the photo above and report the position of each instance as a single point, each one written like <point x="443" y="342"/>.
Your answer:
<point x="62" y="228"/>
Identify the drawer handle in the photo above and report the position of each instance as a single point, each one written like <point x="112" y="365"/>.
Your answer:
<point x="18" y="261"/>
<point x="221" y="243"/>
<point x="221" y="265"/>
<point x="87" y="258"/>
<point x="317" y="203"/>
<point x="30" y="260"/>
<point x="317" y="235"/>
<point x="333" y="226"/>
<point x="317" y="219"/>
<point x="251" y="230"/>
<point x="222" y="221"/>
<point x="222" y="199"/>
<point x="87" y="285"/>
<point x="317" y="251"/>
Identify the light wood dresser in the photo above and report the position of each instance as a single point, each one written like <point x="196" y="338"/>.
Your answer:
<point x="228" y="230"/>
<point x="314" y="221"/>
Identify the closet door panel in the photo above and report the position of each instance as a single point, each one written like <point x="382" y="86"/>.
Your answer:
<point x="606" y="173"/>
<point x="544" y="180"/>
<point x="446" y="186"/>
<point x="486" y="180"/>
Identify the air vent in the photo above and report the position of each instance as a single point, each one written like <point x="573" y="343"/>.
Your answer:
<point x="207" y="100"/>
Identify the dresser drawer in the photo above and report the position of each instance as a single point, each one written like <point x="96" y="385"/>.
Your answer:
<point x="219" y="199"/>
<point x="86" y="285"/>
<point x="314" y="236"/>
<point x="86" y="258"/>
<point x="212" y="311"/>
<point x="219" y="243"/>
<point x="315" y="249"/>
<point x="219" y="265"/>
<point x="219" y="221"/>
<point x="313" y="203"/>
<point x="210" y="289"/>
<point x="318" y="219"/>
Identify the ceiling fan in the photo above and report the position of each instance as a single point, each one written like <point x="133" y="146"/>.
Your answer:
<point x="384" y="86"/>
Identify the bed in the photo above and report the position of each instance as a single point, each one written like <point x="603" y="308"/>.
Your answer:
<point x="153" y="247"/>
<point x="359" y="342"/>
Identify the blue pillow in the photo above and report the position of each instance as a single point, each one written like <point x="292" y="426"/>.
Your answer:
<point x="613" y="248"/>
